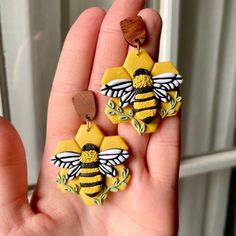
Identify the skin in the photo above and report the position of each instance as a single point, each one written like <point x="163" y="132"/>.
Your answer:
<point x="149" y="206"/>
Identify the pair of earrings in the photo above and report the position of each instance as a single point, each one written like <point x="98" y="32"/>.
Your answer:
<point x="142" y="92"/>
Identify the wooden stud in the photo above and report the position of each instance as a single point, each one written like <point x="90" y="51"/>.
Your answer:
<point x="134" y="30"/>
<point x="85" y="105"/>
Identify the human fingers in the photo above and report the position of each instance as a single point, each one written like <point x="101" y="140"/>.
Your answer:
<point x="139" y="143"/>
<point x="163" y="153"/>
<point x="14" y="206"/>
<point x="111" y="51"/>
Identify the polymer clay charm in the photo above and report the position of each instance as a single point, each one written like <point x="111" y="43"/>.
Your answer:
<point x="91" y="163"/>
<point x="142" y="91"/>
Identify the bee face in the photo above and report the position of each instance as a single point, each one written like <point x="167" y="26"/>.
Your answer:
<point x="89" y="156"/>
<point x="142" y="81"/>
<point x="89" y="153"/>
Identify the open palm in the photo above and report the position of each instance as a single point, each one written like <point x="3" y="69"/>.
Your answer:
<point x="149" y="205"/>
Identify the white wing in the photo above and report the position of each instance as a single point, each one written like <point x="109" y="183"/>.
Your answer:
<point x="107" y="170"/>
<point x="66" y="159"/>
<point x="112" y="157"/>
<point x="165" y="82"/>
<point x="69" y="160"/>
<point x="117" y="88"/>
<point x="127" y="99"/>
<point x="73" y="172"/>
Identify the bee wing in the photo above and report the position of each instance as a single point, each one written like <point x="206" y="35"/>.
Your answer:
<point x="127" y="98"/>
<point x="112" y="157"/>
<point x="107" y="170"/>
<point x="161" y="95"/>
<point x="73" y="172"/>
<point x="66" y="159"/>
<point x="117" y="88"/>
<point x="165" y="82"/>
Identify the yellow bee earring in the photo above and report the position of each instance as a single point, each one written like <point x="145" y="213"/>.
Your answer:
<point x="142" y="91"/>
<point x="91" y="164"/>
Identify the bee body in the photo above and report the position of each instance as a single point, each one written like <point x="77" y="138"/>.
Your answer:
<point x="145" y="102"/>
<point x="145" y="106"/>
<point x="90" y="178"/>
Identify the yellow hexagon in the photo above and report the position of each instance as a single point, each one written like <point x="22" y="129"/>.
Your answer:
<point x="115" y="73"/>
<point x="67" y="145"/>
<point x="93" y="136"/>
<point x="113" y="142"/>
<point x="134" y="61"/>
<point x="163" y="67"/>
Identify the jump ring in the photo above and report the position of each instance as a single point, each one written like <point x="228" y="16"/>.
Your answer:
<point x="138" y="47"/>
<point x="88" y="122"/>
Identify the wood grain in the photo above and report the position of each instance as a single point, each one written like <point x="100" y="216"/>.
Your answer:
<point x="85" y="105"/>
<point x="134" y="30"/>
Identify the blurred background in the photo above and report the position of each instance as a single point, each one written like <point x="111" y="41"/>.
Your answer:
<point x="198" y="37"/>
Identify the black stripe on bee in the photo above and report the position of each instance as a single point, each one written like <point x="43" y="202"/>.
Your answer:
<point x="84" y="185"/>
<point x="143" y="90"/>
<point x="92" y="194"/>
<point x="144" y="99"/>
<point x="141" y="71"/>
<point x="146" y="108"/>
<point x="90" y="164"/>
<point x="92" y="174"/>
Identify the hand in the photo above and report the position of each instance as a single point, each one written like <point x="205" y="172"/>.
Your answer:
<point x="149" y="204"/>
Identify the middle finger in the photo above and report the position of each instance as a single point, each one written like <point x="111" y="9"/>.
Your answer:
<point x="111" y="52"/>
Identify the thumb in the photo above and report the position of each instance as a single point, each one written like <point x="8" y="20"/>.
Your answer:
<point x="13" y="176"/>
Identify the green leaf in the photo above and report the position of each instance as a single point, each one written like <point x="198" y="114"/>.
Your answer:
<point x="179" y="99"/>
<point x="136" y="124"/>
<point x="75" y="188"/>
<point x="111" y="113"/>
<point x="171" y="111"/>
<point x="104" y="196"/>
<point x="63" y="179"/>
<point x="124" y="184"/>
<point x="67" y="188"/>
<point x="172" y="102"/>
<point x="131" y="113"/>
<point x="162" y="112"/>
<point x="111" y="104"/>
<point x="124" y="173"/>
<point x="119" y="109"/>
<point x="116" y="181"/>
<point x="114" y="189"/>
<point x="123" y="117"/>
<point x="143" y="128"/>
<point x="97" y="202"/>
